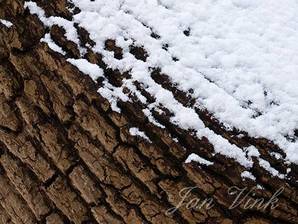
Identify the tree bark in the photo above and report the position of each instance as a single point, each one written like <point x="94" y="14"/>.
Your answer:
<point x="67" y="157"/>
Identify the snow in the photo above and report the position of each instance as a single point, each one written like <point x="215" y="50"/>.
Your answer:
<point x="137" y="132"/>
<point x="266" y="165"/>
<point x="240" y="59"/>
<point x="260" y="187"/>
<point x="195" y="158"/>
<point x="47" y="39"/>
<point x="6" y="23"/>
<point x="248" y="175"/>
<point x="252" y="152"/>
<point x="94" y="71"/>
<point x="71" y="33"/>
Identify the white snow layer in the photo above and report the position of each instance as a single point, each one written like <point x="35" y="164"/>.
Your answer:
<point x="137" y="132"/>
<point x="248" y="175"/>
<point x="239" y="57"/>
<point x="6" y="23"/>
<point x="47" y="39"/>
<point x="196" y="158"/>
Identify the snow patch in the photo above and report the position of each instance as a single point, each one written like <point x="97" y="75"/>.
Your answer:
<point x="47" y="39"/>
<point x="266" y="165"/>
<point x="248" y="175"/>
<point x="137" y="132"/>
<point x="6" y="23"/>
<point x="94" y="71"/>
<point x="195" y="158"/>
<point x="252" y="152"/>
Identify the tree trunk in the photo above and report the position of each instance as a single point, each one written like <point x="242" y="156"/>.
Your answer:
<point x="67" y="157"/>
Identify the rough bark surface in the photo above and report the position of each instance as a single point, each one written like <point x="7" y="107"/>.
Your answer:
<point x="66" y="157"/>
